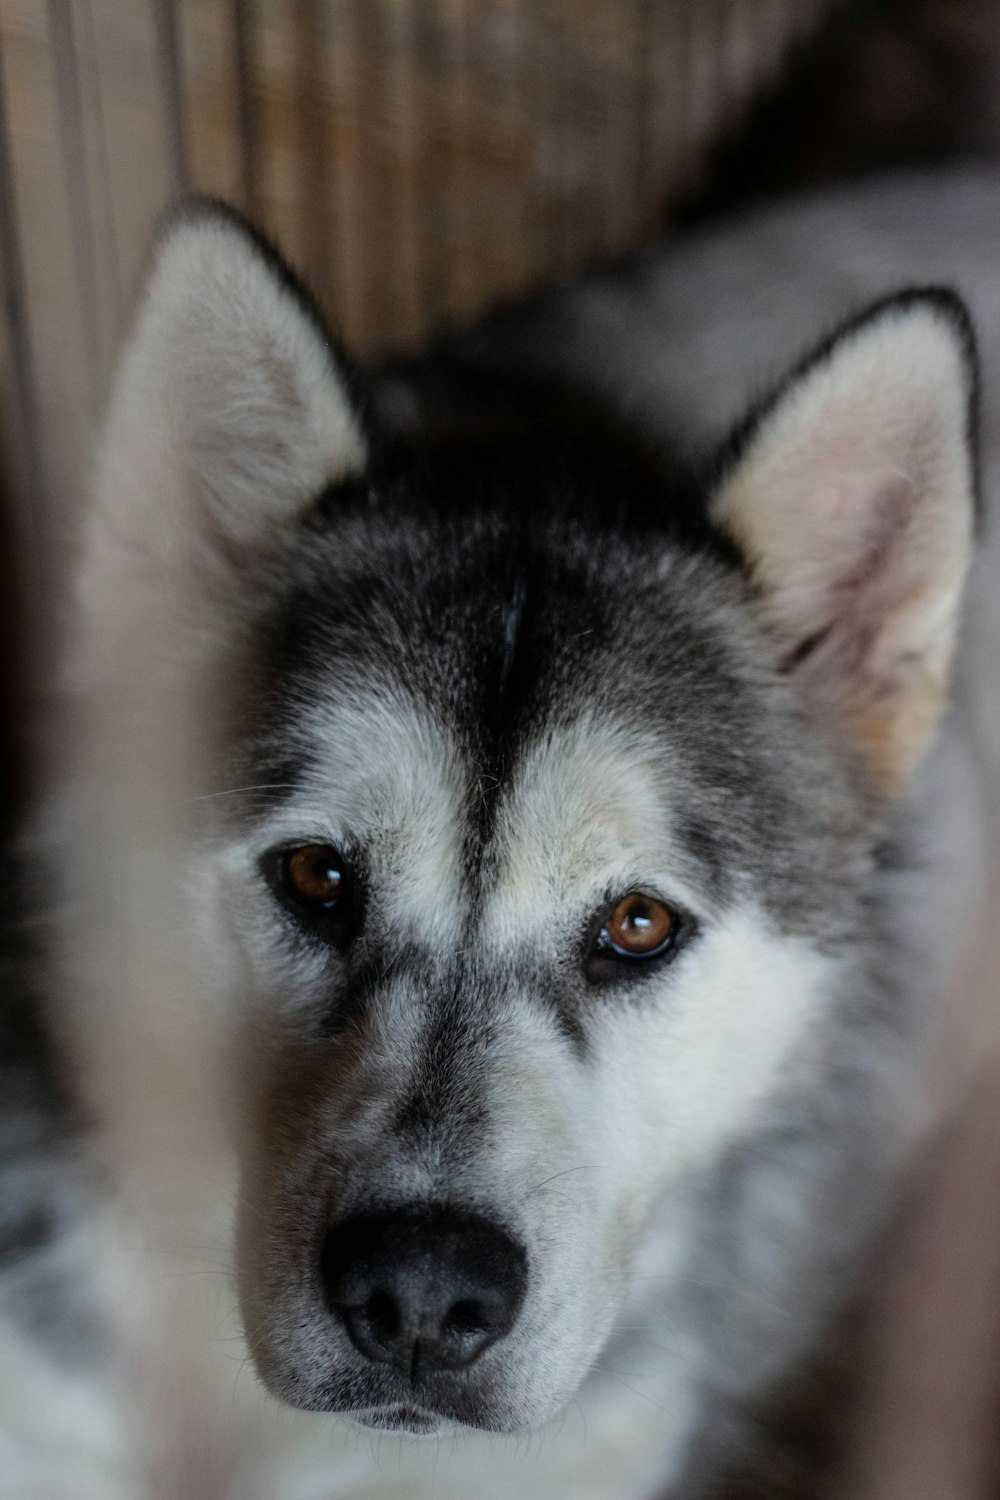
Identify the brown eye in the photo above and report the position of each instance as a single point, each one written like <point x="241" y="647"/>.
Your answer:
<point x="313" y="875"/>
<point x="318" y="889"/>
<point x="639" y="927"/>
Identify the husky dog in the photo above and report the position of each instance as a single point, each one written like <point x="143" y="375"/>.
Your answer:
<point x="531" y="835"/>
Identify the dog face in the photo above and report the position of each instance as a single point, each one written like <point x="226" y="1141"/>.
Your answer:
<point x="530" y="924"/>
<point x="562" y="784"/>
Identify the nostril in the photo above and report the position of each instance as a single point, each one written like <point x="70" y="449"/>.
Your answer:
<point x="465" y="1317"/>
<point x="383" y="1316"/>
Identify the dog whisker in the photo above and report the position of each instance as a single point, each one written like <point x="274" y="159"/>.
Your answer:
<point x="603" y="1369"/>
<point x="565" y="1173"/>
<point x="232" y="791"/>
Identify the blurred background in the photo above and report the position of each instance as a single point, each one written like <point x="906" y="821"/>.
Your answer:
<point x="417" y="159"/>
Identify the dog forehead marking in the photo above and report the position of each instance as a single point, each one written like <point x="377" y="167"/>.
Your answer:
<point x="383" y="771"/>
<point x="584" y="808"/>
<point x="586" y="813"/>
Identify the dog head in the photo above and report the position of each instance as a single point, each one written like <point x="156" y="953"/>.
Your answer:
<point x="557" y="781"/>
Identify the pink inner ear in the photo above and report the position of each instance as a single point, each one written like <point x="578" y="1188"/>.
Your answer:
<point x="853" y="504"/>
<point x="866" y="562"/>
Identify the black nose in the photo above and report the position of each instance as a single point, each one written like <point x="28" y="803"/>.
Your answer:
<point x="427" y="1288"/>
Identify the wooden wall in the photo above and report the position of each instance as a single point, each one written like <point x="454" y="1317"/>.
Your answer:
<point x="418" y="159"/>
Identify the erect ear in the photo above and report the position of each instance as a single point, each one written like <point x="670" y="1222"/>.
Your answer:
<point x="230" y="413"/>
<point x="230" y="410"/>
<point x="852" y="499"/>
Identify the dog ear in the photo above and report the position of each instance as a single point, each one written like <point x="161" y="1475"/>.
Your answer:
<point x="851" y="496"/>
<point x="231" y="409"/>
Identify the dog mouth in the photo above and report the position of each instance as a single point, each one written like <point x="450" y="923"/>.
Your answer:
<point x="403" y="1419"/>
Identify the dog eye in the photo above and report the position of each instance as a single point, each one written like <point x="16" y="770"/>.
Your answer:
<point x="313" y="875"/>
<point x="314" y="884"/>
<point x="636" y="932"/>
<point x="638" y="927"/>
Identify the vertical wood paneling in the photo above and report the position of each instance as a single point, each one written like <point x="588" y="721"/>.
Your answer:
<point x="138" y="136"/>
<point x="216" y="133"/>
<point x="418" y="159"/>
<point x="172" y="91"/>
<point x="272" y="102"/>
<point x="20" y="436"/>
<point x="69" y="115"/>
<point x="310" y="23"/>
<point x="111" y="286"/>
<point x="388" y="146"/>
<point x="660" y="66"/>
<point x="51" y="314"/>
<point x="246" y="68"/>
<point x="346" y="190"/>
<point x="498" y="221"/>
